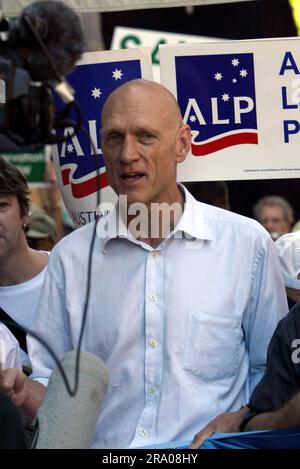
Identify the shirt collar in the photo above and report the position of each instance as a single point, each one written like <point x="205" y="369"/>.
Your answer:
<point x="191" y="223"/>
<point x="111" y="226"/>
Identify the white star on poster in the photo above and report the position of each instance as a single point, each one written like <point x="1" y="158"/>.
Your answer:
<point x="234" y="80"/>
<point x="70" y="148"/>
<point x="117" y="74"/>
<point x="235" y="62"/>
<point x="192" y="118"/>
<point x="218" y="76"/>
<point x="243" y="73"/>
<point x="96" y="93"/>
<point x="225" y="97"/>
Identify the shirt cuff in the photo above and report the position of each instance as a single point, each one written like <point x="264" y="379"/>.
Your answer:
<point x="43" y="381"/>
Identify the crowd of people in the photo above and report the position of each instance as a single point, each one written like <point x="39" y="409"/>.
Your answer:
<point x="192" y="322"/>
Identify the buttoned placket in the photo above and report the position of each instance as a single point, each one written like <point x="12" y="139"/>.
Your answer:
<point x="153" y="346"/>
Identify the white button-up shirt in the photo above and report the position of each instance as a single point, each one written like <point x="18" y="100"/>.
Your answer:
<point x="183" y="329"/>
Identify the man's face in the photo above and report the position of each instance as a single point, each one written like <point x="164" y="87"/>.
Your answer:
<point x="273" y="219"/>
<point x="11" y="225"/>
<point x="142" y="143"/>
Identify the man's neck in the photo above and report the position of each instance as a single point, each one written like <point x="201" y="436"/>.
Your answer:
<point x="157" y="220"/>
<point x="21" y="266"/>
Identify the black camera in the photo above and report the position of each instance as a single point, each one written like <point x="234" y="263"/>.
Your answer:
<point x="36" y="51"/>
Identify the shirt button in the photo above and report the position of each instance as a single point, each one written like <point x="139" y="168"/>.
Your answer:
<point x="154" y="343"/>
<point x="143" y="433"/>
<point x="153" y="298"/>
<point x="154" y="254"/>
<point x="152" y="389"/>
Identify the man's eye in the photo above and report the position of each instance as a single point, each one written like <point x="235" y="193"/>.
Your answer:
<point x="112" y="138"/>
<point x="146" y="137"/>
<point x="3" y="205"/>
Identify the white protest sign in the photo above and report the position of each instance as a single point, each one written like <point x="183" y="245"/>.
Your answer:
<point x="126" y="38"/>
<point x="77" y="159"/>
<point x="241" y="100"/>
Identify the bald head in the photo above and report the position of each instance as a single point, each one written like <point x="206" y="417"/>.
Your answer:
<point x="142" y="92"/>
<point x="143" y="138"/>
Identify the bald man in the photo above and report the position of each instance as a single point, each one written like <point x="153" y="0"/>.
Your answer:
<point x="184" y="296"/>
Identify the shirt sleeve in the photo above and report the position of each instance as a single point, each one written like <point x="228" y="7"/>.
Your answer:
<point x="267" y="305"/>
<point x="51" y="323"/>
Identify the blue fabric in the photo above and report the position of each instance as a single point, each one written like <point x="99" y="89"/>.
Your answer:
<point x="277" y="439"/>
<point x="288" y="438"/>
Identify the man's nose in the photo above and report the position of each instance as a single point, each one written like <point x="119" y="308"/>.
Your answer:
<point x="129" y="151"/>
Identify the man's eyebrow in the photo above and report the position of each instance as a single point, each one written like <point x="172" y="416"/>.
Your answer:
<point x="110" y="130"/>
<point x="138" y="130"/>
<point x="147" y="130"/>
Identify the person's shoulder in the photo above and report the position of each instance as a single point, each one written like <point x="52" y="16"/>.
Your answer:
<point x="81" y="234"/>
<point x="292" y="320"/>
<point x="288" y="329"/>
<point x="79" y="241"/>
<point x="219" y="218"/>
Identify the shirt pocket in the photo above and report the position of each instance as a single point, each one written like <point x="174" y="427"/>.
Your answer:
<point x="211" y="348"/>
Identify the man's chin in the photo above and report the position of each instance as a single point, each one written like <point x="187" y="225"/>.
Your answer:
<point x="128" y="198"/>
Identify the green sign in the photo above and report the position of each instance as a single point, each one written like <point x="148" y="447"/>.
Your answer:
<point x="32" y="165"/>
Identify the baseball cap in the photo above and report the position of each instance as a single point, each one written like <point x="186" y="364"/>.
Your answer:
<point x="288" y="248"/>
<point x="40" y="225"/>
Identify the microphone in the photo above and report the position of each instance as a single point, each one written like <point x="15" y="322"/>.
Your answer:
<point x="69" y="422"/>
<point x="60" y="29"/>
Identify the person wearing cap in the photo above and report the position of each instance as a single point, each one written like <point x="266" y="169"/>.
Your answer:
<point x="41" y="230"/>
<point x="275" y="402"/>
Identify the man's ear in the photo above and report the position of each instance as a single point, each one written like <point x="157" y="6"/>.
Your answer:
<point x="183" y="143"/>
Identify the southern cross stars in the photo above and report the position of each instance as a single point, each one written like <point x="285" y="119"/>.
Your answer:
<point x="235" y="63"/>
<point x="218" y="76"/>
<point x="117" y="74"/>
<point x="96" y="93"/>
<point x="225" y="97"/>
<point x="70" y="148"/>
